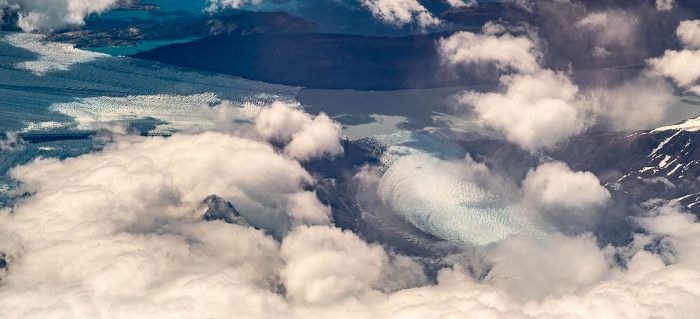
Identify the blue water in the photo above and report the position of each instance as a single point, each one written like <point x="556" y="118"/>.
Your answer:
<point x="341" y="17"/>
<point x="141" y="47"/>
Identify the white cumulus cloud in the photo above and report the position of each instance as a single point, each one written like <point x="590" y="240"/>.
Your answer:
<point x="305" y="137"/>
<point x="554" y="183"/>
<point x="689" y="33"/>
<point x="682" y="66"/>
<point x="46" y="15"/>
<point x="401" y="12"/>
<point x="326" y="265"/>
<point x="235" y="4"/>
<point x="535" y="111"/>
<point x="506" y="52"/>
<point x="462" y="3"/>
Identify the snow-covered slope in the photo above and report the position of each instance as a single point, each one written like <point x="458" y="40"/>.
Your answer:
<point x="690" y="125"/>
<point x="662" y="163"/>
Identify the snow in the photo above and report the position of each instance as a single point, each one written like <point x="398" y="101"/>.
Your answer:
<point x="690" y="125"/>
<point x="658" y="148"/>
<point x="674" y="169"/>
<point x="623" y="177"/>
<point x="680" y="199"/>
<point x="646" y="169"/>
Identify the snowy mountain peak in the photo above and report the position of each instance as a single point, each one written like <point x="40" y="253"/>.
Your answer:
<point x="690" y="125"/>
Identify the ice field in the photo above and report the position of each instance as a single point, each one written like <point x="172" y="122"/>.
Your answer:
<point x="430" y="182"/>
<point x="54" y="86"/>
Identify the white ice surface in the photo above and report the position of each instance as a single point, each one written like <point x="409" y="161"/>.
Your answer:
<point x="423" y="181"/>
<point x="46" y="86"/>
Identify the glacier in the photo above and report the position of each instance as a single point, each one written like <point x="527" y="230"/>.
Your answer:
<point x="50" y="86"/>
<point x="429" y="182"/>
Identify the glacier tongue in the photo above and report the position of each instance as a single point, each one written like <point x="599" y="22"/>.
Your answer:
<point x="428" y="182"/>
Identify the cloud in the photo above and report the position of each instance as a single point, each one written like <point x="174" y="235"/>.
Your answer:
<point x="305" y="137"/>
<point x="462" y="3"/>
<point x="401" y="12"/>
<point x="117" y="232"/>
<point x="181" y="171"/>
<point x="234" y="4"/>
<point x="535" y="111"/>
<point x="537" y="108"/>
<point x="681" y="66"/>
<point x="326" y="265"/>
<point x="47" y="15"/>
<point x="634" y="104"/>
<point x="506" y="52"/>
<point x="594" y="287"/>
<point x="130" y="212"/>
<point x="601" y="34"/>
<point x="554" y="183"/>
<point x="305" y="207"/>
<point x="612" y="30"/>
<point x="12" y="142"/>
<point x="133" y="211"/>
<point x="533" y="271"/>
<point x="5" y="6"/>
<point x="688" y="33"/>
<point x="664" y="5"/>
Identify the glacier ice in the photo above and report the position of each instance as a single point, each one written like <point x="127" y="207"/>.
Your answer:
<point x="52" y="86"/>
<point x="51" y="56"/>
<point x="429" y="182"/>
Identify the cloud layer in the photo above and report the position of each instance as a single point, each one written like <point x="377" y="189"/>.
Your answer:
<point x="116" y="233"/>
